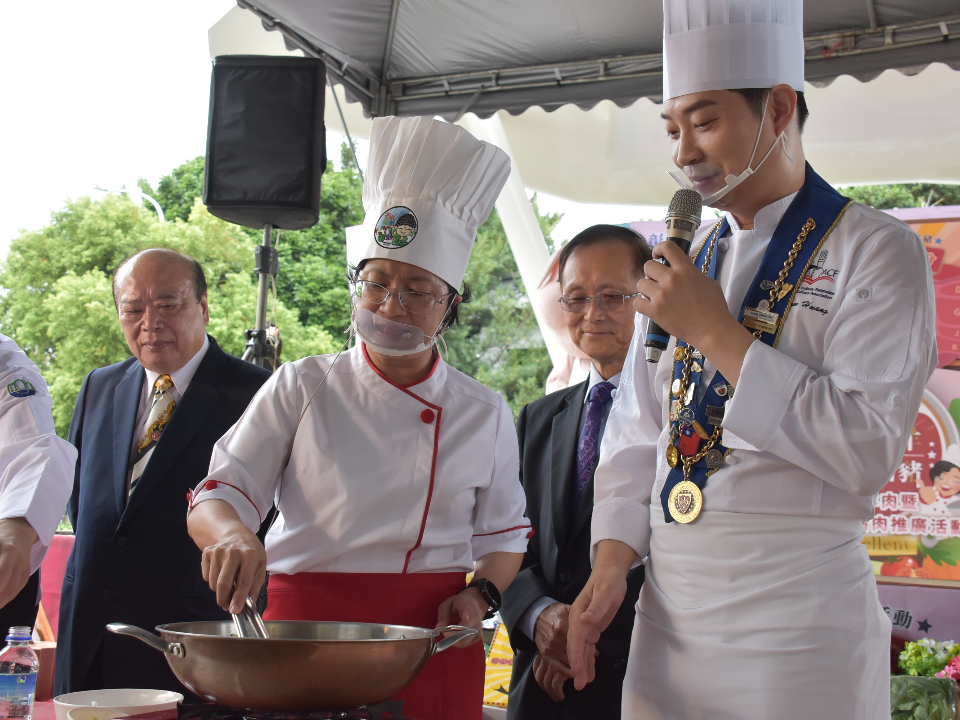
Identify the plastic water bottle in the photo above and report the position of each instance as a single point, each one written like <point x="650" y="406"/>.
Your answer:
<point x="18" y="675"/>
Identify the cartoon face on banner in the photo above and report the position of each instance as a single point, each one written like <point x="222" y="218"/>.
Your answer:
<point x="916" y="529"/>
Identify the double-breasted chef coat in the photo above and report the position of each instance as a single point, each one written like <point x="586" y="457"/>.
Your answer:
<point x="381" y="478"/>
<point x="389" y="495"/>
<point x="766" y="606"/>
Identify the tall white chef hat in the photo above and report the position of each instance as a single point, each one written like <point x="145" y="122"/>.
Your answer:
<point x="731" y="44"/>
<point x="429" y="185"/>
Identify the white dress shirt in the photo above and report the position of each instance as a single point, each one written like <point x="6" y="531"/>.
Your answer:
<point x="36" y="466"/>
<point x="528" y="621"/>
<point x="181" y="379"/>
<point x="818" y="424"/>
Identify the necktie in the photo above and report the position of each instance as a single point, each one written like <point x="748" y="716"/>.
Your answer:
<point x="588" y="445"/>
<point x="160" y="411"/>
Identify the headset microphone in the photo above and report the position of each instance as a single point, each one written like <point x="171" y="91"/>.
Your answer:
<point x="683" y="219"/>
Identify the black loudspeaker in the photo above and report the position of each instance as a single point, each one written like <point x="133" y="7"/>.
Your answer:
<point x="266" y="143"/>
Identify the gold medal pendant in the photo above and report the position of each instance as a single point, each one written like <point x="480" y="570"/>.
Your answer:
<point x="685" y="502"/>
<point x="673" y="455"/>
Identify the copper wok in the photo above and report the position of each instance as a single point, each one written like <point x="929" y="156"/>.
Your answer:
<point x="302" y="666"/>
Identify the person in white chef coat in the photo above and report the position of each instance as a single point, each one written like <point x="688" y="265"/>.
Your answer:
<point x="36" y="477"/>
<point x="403" y="473"/>
<point x="745" y="462"/>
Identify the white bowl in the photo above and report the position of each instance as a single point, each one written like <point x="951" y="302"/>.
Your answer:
<point x="116" y="703"/>
<point x="95" y="713"/>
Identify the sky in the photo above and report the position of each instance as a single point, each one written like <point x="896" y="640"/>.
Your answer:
<point x="101" y="94"/>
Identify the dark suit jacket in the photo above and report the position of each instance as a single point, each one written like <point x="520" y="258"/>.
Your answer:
<point x="557" y="564"/>
<point x="134" y="562"/>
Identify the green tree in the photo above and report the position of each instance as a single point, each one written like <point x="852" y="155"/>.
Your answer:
<point x="57" y="297"/>
<point x="499" y="342"/>
<point x="887" y="197"/>
<point x="178" y="191"/>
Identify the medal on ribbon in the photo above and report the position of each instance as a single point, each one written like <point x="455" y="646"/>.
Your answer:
<point x="695" y="450"/>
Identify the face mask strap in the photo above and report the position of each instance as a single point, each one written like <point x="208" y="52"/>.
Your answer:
<point x="437" y="335"/>
<point x="763" y="116"/>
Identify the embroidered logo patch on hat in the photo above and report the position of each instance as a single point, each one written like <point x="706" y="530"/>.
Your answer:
<point x="396" y="228"/>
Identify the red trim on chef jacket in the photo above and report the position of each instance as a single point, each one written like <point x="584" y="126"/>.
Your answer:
<point x="500" y="532"/>
<point x="436" y="439"/>
<point x="436" y="364"/>
<point x="212" y="484"/>
<point x="450" y="686"/>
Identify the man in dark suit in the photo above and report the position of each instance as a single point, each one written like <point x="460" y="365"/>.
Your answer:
<point x="559" y="445"/>
<point x="144" y="429"/>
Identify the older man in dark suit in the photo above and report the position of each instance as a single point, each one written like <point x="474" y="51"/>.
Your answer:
<point x="560" y="438"/>
<point x="144" y="429"/>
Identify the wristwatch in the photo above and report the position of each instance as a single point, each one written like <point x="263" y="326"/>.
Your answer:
<point x="489" y="592"/>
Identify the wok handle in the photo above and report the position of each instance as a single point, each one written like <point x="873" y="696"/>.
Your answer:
<point x="459" y="633"/>
<point x="148" y="637"/>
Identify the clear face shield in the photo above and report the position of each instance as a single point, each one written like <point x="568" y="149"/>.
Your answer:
<point x="708" y="180"/>
<point x="389" y="337"/>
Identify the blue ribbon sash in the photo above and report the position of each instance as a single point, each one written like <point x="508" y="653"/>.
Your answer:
<point x="694" y="422"/>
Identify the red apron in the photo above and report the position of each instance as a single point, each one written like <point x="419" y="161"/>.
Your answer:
<point x="450" y="686"/>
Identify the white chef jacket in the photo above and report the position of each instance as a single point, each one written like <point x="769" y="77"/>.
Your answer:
<point x="817" y="425"/>
<point x="381" y="478"/>
<point x="36" y="466"/>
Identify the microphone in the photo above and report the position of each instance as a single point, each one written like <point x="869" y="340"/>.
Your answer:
<point x="683" y="219"/>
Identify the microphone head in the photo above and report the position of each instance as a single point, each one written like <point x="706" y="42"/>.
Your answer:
<point x="686" y="202"/>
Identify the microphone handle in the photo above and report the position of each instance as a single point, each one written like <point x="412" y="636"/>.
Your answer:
<point x="657" y="338"/>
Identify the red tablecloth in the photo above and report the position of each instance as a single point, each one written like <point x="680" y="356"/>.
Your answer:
<point x="44" y="710"/>
<point x="51" y="580"/>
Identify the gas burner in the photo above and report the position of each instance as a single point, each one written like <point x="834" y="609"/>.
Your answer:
<point x="382" y="711"/>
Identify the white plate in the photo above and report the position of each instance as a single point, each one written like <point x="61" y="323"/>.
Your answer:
<point x="119" y="702"/>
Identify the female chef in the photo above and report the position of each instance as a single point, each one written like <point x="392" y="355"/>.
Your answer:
<point x="403" y="473"/>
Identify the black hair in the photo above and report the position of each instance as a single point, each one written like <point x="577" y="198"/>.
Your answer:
<point x="407" y="219"/>
<point x="199" y="279"/>
<point x="941" y="467"/>
<point x="604" y="233"/>
<point x="453" y="315"/>
<point x="756" y="97"/>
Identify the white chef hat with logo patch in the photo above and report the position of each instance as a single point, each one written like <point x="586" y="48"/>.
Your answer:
<point x="428" y="186"/>
<point x="731" y="44"/>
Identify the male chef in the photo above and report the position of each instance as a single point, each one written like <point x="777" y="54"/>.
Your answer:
<point x="746" y="468"/>
<point x="36" y="474"/>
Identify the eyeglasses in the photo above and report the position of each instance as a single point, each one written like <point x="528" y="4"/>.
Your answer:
<point x="415" y="302"/>
<point x="604" y="300"/>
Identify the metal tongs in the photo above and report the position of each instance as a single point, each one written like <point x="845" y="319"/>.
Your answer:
<point x="248" y="622"/>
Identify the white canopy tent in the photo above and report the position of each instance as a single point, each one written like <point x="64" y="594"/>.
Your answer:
<point x="568" y="90"/>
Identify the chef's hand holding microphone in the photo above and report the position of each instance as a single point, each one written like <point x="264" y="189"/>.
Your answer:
<point x="681" y="301"/>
